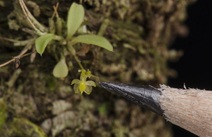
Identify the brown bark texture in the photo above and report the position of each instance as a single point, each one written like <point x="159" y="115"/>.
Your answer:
<point x="33" y="103"/>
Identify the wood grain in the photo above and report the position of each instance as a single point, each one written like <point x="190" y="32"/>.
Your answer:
<point x="190" y="109"/>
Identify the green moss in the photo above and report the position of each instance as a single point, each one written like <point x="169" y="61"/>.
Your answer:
<point x="19" y="127"/>
<point x="3" y="113"/>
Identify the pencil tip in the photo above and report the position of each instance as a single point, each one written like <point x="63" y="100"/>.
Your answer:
<point x="110" y="86"/>
<point x="145" y="96"/>
<point x="105" y="85"/>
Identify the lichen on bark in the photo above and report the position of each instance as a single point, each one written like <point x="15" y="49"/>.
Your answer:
<point x="140" y="31"/>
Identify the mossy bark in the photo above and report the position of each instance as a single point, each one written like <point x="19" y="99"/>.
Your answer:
<point x="40" y="105"/>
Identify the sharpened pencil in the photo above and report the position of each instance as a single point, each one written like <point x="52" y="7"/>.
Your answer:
<point x="190" y="109"/>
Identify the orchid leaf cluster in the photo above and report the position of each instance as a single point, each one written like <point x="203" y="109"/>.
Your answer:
<point x="60" y="38"/>
<point x="74" y="23"/>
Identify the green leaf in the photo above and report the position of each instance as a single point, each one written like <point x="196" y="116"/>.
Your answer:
<point x="42" y="42"/>
<point x="75" y="19"/>
<point x="60" y="69"/>
<point x="94" y="40"/>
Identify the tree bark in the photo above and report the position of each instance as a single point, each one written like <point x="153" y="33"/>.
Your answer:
<point x="40" y="105"/>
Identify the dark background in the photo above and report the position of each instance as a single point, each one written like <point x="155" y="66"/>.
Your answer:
<point x="195" y="67"/>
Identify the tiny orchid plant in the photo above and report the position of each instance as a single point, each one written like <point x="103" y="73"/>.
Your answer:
<point x="75" y="34"/>
<point x="74" y="23"/>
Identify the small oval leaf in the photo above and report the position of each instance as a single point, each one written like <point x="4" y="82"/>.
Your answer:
<point x="94" y="40"/>
<point x="75" y="18"/>
<point x="60" y="69"/>
<point x="42" y="42"/>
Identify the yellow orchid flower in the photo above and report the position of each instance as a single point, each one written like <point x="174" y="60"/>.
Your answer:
<point x="81" y="85"/>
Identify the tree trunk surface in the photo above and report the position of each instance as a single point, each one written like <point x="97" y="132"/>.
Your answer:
<point x="33" y="103"/>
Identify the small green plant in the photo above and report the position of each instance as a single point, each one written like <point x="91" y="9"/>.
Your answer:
<point x="64" y="39"/>
<point x="74" y="22"/>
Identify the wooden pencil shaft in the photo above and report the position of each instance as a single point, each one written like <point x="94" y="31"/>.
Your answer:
<point x="190" y="109"/>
